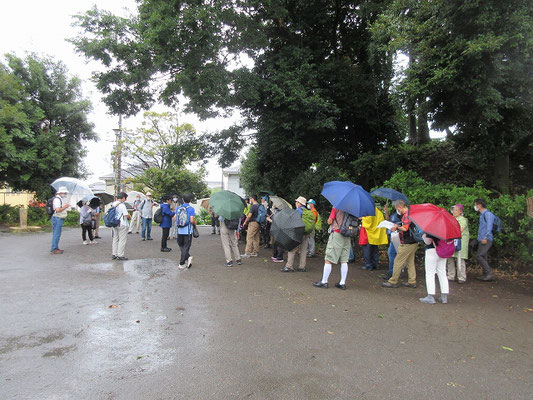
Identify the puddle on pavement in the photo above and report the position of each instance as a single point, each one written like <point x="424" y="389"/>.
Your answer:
<point x="146" y="268"/>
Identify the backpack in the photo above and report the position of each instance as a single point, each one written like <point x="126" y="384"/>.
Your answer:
<point x="457" y="244"/>
<point x="308" y="218"/>
<point x="416" y="233"/>
<point x="50" y="206"/>
<point x="232" y="224"/>
<point x="497" y="224"/>
<point x="445" y="248"/>
<point x="86" y="217"/>
<point x="182" y="219"/>
<point x="349" y="226"/>
<point x="110" y="218"/>
<point x="158" y="216"/>
<point x="261" y="214"/>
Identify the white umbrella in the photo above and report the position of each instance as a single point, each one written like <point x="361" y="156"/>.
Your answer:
<point x="77" y="190"/>
<point x="132" y="196"/>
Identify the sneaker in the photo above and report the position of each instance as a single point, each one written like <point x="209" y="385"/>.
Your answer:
<point x="245" y="255"/>
<point x="189" y="262"/>
<point x="302" y="270"/>
<point x="97" y="237"/>
<point x="93" y="242"/>
<point x="85" y="242"/>
<point x="56" y="251"/>
<point x="389" y="285"/>
<point x="410" y="285"/>
<point x="229" y="264"/>
<point x="253" y="255"/>
<point x="285" y="269"/>
<point x="277" y="260"/>
<point x="182" y="267"/>
<point x="239" y="262"/>
<point x="122" y="258"/>
<point x="429" y="299"/>
<point x="114" y="257"/>
<point x="129" y="233"/>
<point x="143" y="239"/>
<point x="149" y="239"/>
<point x="444" y="298"/>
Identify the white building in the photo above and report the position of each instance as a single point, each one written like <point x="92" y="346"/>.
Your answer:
<point x="231" y="180"/>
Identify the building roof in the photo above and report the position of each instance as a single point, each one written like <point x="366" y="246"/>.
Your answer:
<point x="231" y="171"/>
<point x="111" y="175"/>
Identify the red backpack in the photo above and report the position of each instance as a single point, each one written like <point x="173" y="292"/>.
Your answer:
<point x="445" y="248"/>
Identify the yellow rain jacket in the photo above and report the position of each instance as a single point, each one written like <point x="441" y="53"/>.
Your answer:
<point x="375" y="235"/>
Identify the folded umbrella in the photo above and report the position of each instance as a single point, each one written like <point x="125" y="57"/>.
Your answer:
<point x="287" y="228"/>
<point x="435" y="221"/>
<point x="226" y="204"/>
<point x="280" y="203"/>
<point x="388" y="193"/>
<point x="349" y="197"/>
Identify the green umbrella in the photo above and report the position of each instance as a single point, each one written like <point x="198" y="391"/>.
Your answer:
<point x="226" y="204"/>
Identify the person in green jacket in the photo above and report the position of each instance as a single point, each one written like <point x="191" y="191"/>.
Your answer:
<point x="459" y="256"/>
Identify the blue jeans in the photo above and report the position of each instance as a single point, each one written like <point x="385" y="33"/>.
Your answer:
<point x="371" y="256"/>
<point x="352" y="256"/>
<point x="147" y="228"/>
<point x="57" y="226"/>
<point x="392" y="255"/>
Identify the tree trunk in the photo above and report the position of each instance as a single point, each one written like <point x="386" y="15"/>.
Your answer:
<point x="413" y="138"/>
<point x="423" y="129"/>
<point x="500" y="172"/>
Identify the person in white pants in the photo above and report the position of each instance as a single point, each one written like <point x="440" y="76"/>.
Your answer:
<point x="434" y="265"/>
<point x="229" y="244"/>
<point x="120" y="233"/>
<point x="136" y="217"/>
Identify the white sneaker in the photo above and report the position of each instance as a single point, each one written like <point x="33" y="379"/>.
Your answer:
<point x="182" y="267"/>
<point x="245" y="255"/>
<point x="253" y="255"/>
<point x="85" y="242"/>
<point x="93" y="242"/>
<point x="189" y="262"/>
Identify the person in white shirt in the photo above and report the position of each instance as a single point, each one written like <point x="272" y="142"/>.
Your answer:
<point x="136" y="217"/>
<point x="120" y="233"/>
<point x="58" y="218"/>
<point x="147" y="213"/>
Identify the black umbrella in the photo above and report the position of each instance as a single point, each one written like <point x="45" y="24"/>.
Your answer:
<point x="287" y="228"/>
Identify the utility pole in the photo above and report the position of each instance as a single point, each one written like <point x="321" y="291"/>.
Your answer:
<point x="118" y="157"/>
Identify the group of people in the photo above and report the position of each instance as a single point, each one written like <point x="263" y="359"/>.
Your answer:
<point x="401" y="241"/>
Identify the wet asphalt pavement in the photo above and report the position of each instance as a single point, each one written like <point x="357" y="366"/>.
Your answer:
<point x="80" y="326"/>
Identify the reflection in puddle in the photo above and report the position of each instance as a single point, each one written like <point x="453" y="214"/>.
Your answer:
<point x="143" y="268"/>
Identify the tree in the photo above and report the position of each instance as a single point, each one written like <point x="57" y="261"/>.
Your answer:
<point x="43" y="120"/>
<point x="160" y="142"/>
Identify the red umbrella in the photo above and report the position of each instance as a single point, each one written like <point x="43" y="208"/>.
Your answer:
<point x="435" y="221"/>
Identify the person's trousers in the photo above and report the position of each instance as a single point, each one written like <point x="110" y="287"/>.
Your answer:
<point x="97" y="225"/>
<point x="406" y="254"/>
<point x="174" y="229"/>
<point x="164" y="237"/>
<point x="392" y="255"/>
<point x="120" y="236"/>
<point x="252" y="238"/>
<point x="86" y="230"/>
<point x="147" y="228"/>
<point x="461" y="268"/>
<point x="215" y="224"/>
<point x="483" y="257"/>
<point x="184" y="242"/>
<point x="303" y="254"/>
<point x="135" y="222"/>
<point x="229" y="243"/>
<point x="311" y="245"/>
<point x="57" y="227"/>
<point x="278" y="252"/>
<point x="371" y="256"/>
<point x="265" y="234"/>
<point x="435" y="265"/>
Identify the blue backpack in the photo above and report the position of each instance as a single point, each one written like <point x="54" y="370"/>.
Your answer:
<point x="261" y="214"/>
<point x="110" y="218"/>
<point x="182" y="218"/>
<point x="497" y="224"/>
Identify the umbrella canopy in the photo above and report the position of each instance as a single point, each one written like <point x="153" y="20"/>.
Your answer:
<point x="74" y="186"/>
<point x="105" y="197"/>
<point x="226" y="204"/>
<point x="388" y="193"/>
<point x="349" y="197"/>
<point x="435" y="221"/>
<point x="205" y="204"/>
<point x="132" y="196"/>
<point x="280" y="203"/>
<point x="287" y="228"/>
<point x="268" y="192"/>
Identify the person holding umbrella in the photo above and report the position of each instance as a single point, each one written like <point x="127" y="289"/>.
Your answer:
<point x="406" y="250"/>
<point x="300" y="204"/>
<point x="58" y="218"/>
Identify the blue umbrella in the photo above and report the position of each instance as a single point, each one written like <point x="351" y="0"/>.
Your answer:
<point x="349" y="197"/>
<point x="388" y="193"/>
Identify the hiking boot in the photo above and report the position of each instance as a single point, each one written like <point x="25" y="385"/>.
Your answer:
<point x="443" y="298"/>
<point x="487" y="278"/>
<point x="229" y="264"/>
<point x="411" y="285"/>
<point x="389" y="285"/>
<point x="56" y="251"/>
<point x="429" y="299"/>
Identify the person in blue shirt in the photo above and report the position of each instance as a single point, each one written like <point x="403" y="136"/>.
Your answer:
<point x="185" y="231"/>
<point x="166" y="224"/>
<point x="484" y="238"/>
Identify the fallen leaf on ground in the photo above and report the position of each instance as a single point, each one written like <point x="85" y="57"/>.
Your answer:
<point x="138" y="321"/>
<point x="139" y="357"/>
<point x="507" y="348"/>
<point x="315" y="319"/>
<point x="114" y="306"/>
<point x="494" y="295"/>
<point x="331" y="333"/>
<point x="380" y="316"/>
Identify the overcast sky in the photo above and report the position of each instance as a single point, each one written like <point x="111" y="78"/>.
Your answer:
<point x="42" y="27"/>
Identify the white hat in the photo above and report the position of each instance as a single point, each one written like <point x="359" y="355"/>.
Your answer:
<point x="148" y="194"/>
<point x="301" y="200"/>
<point x="62" y="189"/>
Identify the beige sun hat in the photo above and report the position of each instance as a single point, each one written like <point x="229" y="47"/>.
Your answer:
<point x="62" y="189"/>
<point x="302" y="200"/>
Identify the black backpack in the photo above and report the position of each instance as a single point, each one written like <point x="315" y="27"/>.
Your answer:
<point x="158" y="216"/>
<point x="349" y="226"/>
<point x="232" y="224"/>
<point x="50" y="206"/>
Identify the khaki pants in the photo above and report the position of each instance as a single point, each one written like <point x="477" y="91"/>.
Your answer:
<point x="303" y="254"/>
<point x="252" y="238"/>
<point x="135" y="221"/>
<point x="229" y="242"/>
<point x="461" y="268"/>
<point x="406" y="254"/>
<point x="120" y="236"/>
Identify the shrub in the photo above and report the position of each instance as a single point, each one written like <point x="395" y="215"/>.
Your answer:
<point x="204" y="218"/>
<point x="9" y="215"/>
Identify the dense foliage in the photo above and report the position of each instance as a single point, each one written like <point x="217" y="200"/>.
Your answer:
<point x="43" y="121"/>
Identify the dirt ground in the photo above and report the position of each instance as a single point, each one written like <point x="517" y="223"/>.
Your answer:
<point x="81" y="326"/>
